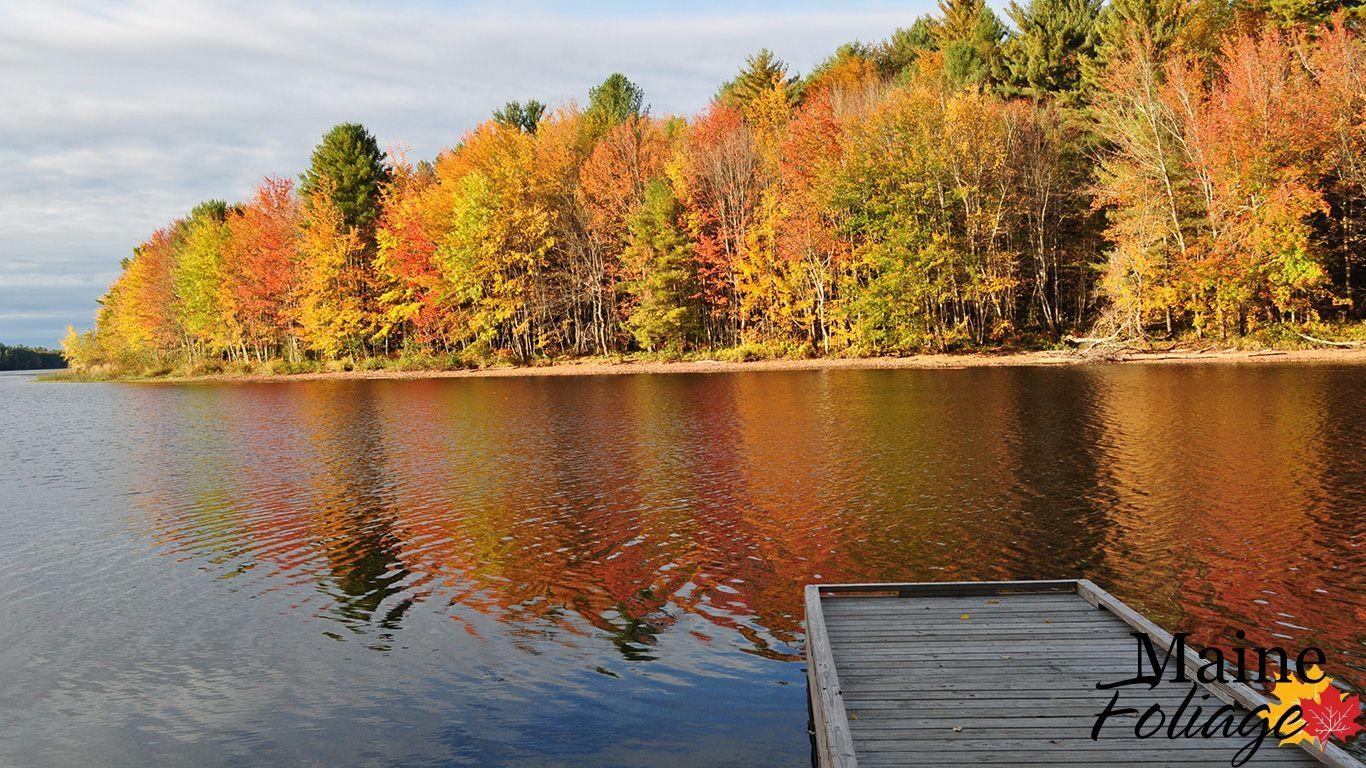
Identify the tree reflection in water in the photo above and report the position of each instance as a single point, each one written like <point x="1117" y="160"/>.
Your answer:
<point x="567" y="508"/>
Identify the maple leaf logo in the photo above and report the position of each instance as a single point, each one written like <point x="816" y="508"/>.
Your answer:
<point x="1288" y="725"/>
<point x="1313" y="712"/>
<point x="1334" y="715"/>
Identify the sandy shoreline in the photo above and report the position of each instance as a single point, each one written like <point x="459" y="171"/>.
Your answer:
<point x="598" y="367"/>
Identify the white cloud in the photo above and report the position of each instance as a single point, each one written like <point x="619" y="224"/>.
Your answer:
<point x="115" y="118"/>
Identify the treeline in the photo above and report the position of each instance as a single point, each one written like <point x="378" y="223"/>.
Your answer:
<point x="1148" y="168"/>
<point x="23" y="358"/>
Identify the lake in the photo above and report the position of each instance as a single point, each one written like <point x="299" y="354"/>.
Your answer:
<point x="607" y="570"/>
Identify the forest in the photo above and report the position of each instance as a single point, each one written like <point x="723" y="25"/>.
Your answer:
<point x="1188" y="171"/>
<point x="23" y="358"/>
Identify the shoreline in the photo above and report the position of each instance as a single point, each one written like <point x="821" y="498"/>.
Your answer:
<point x="944" y="361"/>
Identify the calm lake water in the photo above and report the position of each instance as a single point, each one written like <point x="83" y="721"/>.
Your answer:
<point x="608" y="570"/>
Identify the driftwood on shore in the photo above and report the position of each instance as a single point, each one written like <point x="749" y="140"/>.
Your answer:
<point x="1326" y="342"/>
<point x="1109" y="348"/>
<point x="1112" y="349"/>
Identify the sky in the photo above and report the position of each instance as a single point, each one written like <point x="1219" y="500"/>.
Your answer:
<point x="118" y="117"/>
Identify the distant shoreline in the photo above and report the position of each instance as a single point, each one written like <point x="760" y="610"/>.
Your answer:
<point x="601" y="367"/>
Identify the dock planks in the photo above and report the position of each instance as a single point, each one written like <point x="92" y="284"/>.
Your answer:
<point x="899" y="677"/>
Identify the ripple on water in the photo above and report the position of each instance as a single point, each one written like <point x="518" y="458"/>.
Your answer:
<point x="368" y="555"/>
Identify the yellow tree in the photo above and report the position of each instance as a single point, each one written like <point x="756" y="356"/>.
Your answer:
<point x="612" y="184"/>
<point x="330" y="317"/>
<point x="573" y="288"/>
<point x="198" y="276"/>
<point x="1143" y="182"/>
<point x="495" y="256"/>
<point x="411" y="221"/>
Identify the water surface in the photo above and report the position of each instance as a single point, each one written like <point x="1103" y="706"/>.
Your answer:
<point x="607" y="570"/>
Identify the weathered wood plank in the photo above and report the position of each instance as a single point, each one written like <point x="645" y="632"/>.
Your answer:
<point x="1050" y="758"/>
<point x="1003" y="651"/>
<point x="1005" y="643"/>
<point x="1034" y="741"/>
<point x="1045" y="757"/>
<point x="977" y="622"/>
<point x="946" y="721"/>
<point x="1025" y="759"/>
<point x="904" y="708"/>
<point x="1043" y="617"/>
<point x="1015" y="604"/>
<point x="834" y="741"/>
<point x="954" y="588"/>
<point x="1023" y="640"/>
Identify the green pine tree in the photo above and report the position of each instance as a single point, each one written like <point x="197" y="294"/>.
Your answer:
<point x="522" y="116"/>
<point x="665" y="314"/>
<point x="616" y="100"/>
<point x="1289" y="14"/>
<point x="970" y="35"/>
<point x="1155" y="24"/>
<point x="760" y="73"/>
<point x="349" y="167"/>
<point x="349" y="171"/>
<point x="1044" y="57"/>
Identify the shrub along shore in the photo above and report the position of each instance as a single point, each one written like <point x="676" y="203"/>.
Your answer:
<point x="1147" y="173"/>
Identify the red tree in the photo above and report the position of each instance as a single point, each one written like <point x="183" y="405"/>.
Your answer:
<point x="261" y="265"/>
<point x="721" y="173"/>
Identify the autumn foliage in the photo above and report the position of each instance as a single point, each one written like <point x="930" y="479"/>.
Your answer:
<point x="1146" y="169"/>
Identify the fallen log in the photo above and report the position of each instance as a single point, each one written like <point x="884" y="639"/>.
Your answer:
<point x="1326" y="342"/>
<point x="1092" y="340"/>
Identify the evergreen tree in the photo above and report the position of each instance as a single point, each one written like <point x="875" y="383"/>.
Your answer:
<point x="1045" y="56"/>
<point x="23" y="358"/>
<point x="343" y="191"/>
<point x="522" y="116"/>
<point x="1289" y="14"/>
<point x="970" y="35"/>
<point x="349" y="168"/>
<point x="659" y="260"/>
<point x="1155" y="25"/>
<point x="761" y="73"/>
<point x="615" y="101"/>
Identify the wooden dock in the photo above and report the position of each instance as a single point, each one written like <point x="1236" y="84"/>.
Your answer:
<point x="999" y="674"/>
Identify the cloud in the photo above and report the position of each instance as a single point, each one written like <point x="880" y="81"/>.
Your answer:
<point x="119" y="117"/>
